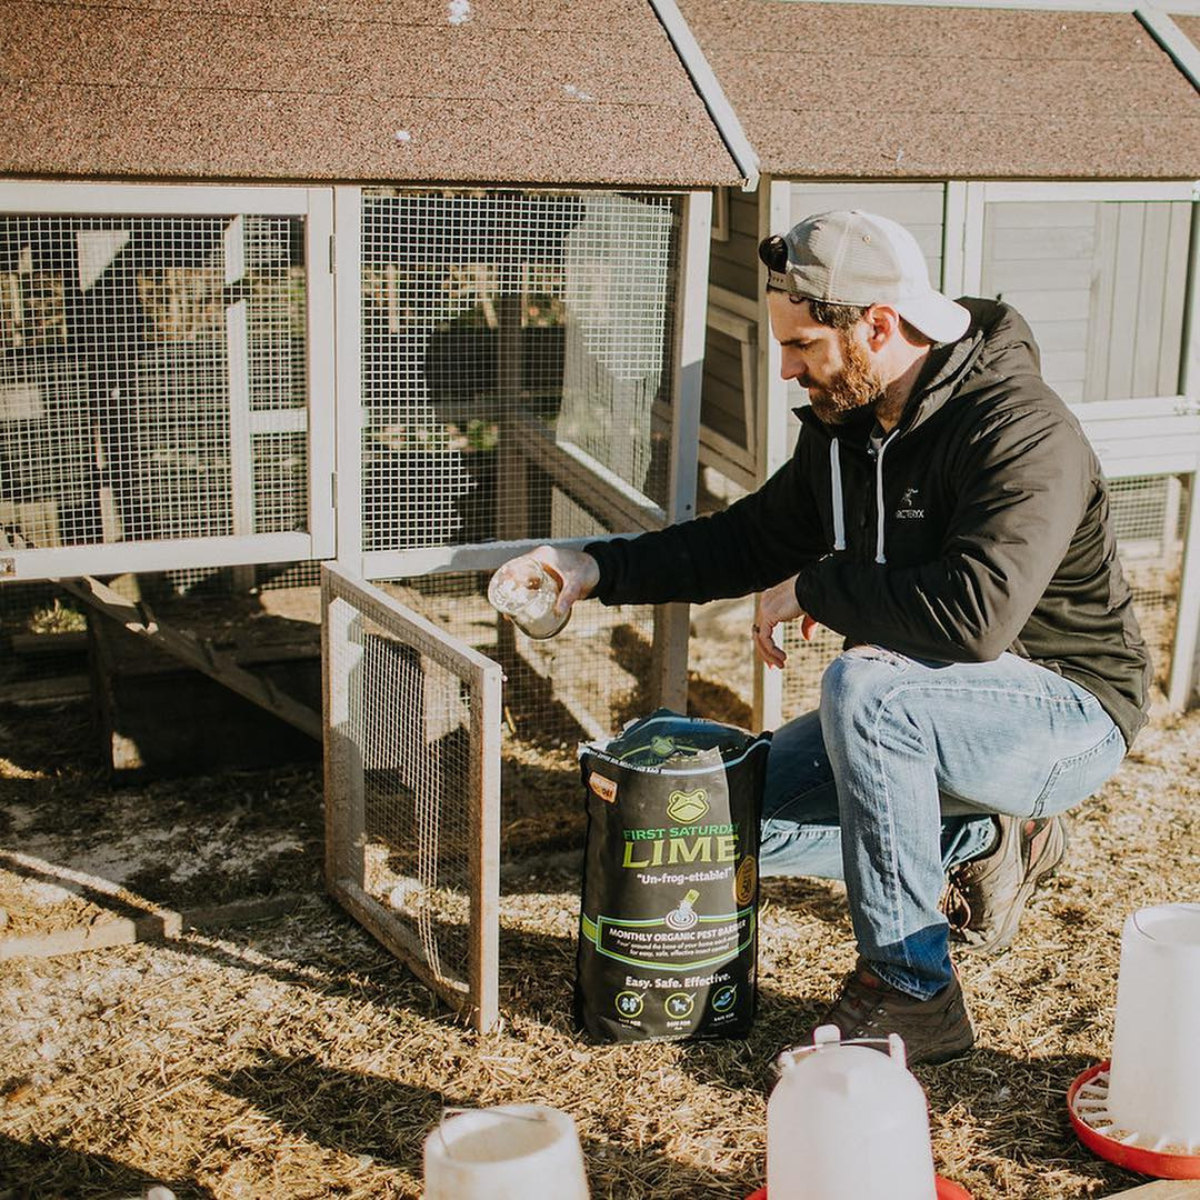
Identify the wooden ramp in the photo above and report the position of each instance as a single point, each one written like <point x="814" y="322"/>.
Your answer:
<point x="137" y="618"/>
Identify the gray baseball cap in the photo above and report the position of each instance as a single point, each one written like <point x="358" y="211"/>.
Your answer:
<point x="852" y="257"/>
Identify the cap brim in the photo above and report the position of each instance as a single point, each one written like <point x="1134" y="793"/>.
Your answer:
<point x="936" y="316"/>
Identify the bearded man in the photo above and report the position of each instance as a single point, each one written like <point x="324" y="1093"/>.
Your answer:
<point x="944" y="512"/>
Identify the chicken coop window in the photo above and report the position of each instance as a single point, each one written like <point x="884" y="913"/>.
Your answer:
<point x="1102" y="284"/>
<point x="516" y="364"/>
<point x="154" y="375"/>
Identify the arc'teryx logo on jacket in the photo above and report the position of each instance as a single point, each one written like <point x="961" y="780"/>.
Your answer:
<point x="906" y="511"/>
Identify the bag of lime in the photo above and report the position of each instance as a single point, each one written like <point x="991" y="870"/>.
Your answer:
<point x="668" y="939"/>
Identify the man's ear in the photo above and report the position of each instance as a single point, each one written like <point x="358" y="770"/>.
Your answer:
<point x="883" y="323"/>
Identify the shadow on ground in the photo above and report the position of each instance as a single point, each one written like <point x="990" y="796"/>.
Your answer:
<point x="39" y="1170"/>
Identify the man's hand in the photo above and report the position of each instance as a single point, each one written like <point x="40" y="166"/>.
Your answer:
<point x="577" y="573"/>
<point x="775" y="606"/>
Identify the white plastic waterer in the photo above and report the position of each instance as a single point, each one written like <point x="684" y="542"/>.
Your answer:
<point x="1154" y="1081"/>
<point x="512" y="1152"/>
<point x="846" y="1120"/>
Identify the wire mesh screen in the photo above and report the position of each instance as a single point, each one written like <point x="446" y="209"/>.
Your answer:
<point x="586" y="682"/>
<point x="1149" y="516"/>
<point x="513" y="343"/>
<point x="138" y="358"/>
<point x="1150" y="519"/>
<point x="412" y="789"/>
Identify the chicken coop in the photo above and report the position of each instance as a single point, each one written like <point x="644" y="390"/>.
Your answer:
<point x="1077" y="205"/>
<point x="409" y="301"/>
<point x="408" y="295"/>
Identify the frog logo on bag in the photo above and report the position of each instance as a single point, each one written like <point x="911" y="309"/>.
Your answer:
<point x="686" y="807"/>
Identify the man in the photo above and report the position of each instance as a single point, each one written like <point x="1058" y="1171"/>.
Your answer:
<point x="944" y="512"/>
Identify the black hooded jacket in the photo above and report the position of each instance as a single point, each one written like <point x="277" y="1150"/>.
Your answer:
<point x="981" y="525"/>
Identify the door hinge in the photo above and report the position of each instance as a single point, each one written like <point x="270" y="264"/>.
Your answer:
<point x="333" y="254"/>
<point x="333" y="489"/>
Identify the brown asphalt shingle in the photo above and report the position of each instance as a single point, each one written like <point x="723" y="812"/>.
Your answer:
<point x="572" y="91"/>
<point x="859" y="90"/>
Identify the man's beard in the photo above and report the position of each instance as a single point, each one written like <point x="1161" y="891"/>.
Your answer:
<point x="856" y="385"/>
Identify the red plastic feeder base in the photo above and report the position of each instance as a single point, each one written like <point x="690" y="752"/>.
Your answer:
<point x="1089" y="1093"/>
<point x="945" y="1191"/>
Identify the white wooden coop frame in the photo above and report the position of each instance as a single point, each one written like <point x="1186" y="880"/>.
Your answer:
<point x="243" y="424"/>
<point x="412" y="715"/>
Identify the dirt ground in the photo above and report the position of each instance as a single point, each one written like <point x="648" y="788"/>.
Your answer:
<point x="292" y="1056"/>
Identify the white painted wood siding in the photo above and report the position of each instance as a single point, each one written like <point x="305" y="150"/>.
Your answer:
<point x="917" y="206"/>
<point x="1102" y="284"/>
<point x="733" y="263"/>
<point x="725" y="441"/>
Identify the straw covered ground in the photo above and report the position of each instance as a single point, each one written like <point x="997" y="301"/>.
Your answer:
<point x="291" y="1056"/>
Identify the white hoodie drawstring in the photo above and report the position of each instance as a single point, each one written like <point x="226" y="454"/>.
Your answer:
<point x="880" y="557"/>
<point x="839" y="515"/>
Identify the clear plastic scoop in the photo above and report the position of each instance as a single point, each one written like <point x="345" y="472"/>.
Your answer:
<point x="527" y="595"/>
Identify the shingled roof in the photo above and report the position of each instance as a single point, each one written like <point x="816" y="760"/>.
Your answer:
<point x="874" y="91"/>
<point x="444" y="91"/>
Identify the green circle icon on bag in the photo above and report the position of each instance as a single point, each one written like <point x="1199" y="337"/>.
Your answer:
<point x="629" y="1004"/>
<point x="680" y="1005"/>
<point x="724" y="998"/>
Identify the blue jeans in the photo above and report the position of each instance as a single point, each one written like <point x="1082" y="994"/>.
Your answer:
<point x="893" y="780"/>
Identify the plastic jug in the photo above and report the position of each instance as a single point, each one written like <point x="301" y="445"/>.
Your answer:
<point x="528" y="600"/>
<point x="513" y="1152"/>
<point x="845" y="1120"/>
<point x="1154" y="1081"/>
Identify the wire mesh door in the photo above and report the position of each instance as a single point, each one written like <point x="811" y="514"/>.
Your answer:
<point x="155" y="373"/>
<point x="412" y="790"/>
<point x="516" y="366"/>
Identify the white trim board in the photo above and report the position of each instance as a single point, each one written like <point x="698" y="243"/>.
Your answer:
<point x="1176" y="7"/>
<point x="116" y="558"/>
<point x="710" y="91"/>
<point x="322" y="375"/>
<point x="479" y="556"/>
<point x="1041" y="192"/>
<point x="137" y="200"/>
<point x="1184" y="53"/>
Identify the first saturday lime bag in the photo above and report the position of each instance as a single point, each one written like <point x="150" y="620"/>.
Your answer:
<point x="668" y="930"/>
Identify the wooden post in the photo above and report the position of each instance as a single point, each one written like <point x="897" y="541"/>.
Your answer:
<point x="774" y="216"/>
<point x="347" y="304"/>
<point x="341" y="664"/>
<point x="241" y="445"/>
<point x="1187" y="622"/>
<point x="671" y="621"/>
<point x="485" y="847"/>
